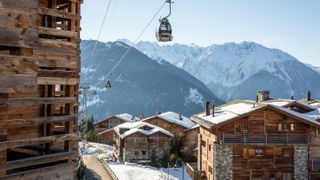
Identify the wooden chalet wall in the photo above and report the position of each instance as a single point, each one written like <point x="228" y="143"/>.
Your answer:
<point x="39" y="77"/>
<point x="175" y="129"/>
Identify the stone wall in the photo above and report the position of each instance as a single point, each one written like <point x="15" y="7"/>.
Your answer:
<point x="301" y="162"/>
<point x="223" y="162"/>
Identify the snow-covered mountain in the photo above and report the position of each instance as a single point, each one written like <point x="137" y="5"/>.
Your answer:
<point x="234" y="70"/>
<point x="316" y="68"/>
<point x="139" y="84"/>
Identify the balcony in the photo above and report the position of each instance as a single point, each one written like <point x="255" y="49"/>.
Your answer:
<point x="268" y="138"/>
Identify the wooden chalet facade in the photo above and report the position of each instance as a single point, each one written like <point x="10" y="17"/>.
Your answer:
<point x="39" y="77"/>
<point x="105" y="126"/>
<point x="269" y="139"/>
<point x="173" y="122"/>
<point x="134" y="142"/>
<point x="113" y="121"/>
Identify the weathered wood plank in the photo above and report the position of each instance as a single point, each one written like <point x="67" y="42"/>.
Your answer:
<point x="18" y="19"/>
<point x="35" y="121"/>
<point x="38" y="101"/>
<point x="18" y="84"/>
<point x="51" y="12"/>
<point x="18" y="37"/>
<point x="21" y="5"/>
<point x="40" y="140"/>
<point x="38" y="160"/>
<point x="54" y="80"/>
<point x="45" y="173"/>
<point x="57" y="43"/>
<point x="11" y="65"/>
<point x="58" y="73"/>
<point x="58" y="32"/>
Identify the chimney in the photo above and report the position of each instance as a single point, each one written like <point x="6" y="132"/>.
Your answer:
<point x="180" y="117"/>
<point x="213" y="110"/>
<point x="207" y="108"/>
<point x="292" y="98"/>
<point x="141" y="116"/>
<point x="309" y="96"/>
<point x="263" y="95"/>
<point x="257" y="98"/>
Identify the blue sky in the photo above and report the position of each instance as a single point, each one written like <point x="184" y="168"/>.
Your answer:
<point x="290" y="25"/>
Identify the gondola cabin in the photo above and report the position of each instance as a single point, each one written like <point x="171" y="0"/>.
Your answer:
<point x="164" y="31"/>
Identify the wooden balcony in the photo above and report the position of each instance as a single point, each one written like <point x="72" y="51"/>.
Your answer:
<point x="268" y="138"/>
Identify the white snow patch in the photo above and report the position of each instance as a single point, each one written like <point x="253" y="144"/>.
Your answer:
<point x="194" y="97"/>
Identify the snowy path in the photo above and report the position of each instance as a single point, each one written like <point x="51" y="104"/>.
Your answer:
<point x="92" y="163"/>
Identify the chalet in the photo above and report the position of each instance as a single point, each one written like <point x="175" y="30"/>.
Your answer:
<point x="113" y="121"/>
<point x="39" y="83"/>
<point x="105" y="126"/>
<point x="134" y="142"/>
<point x="172" y="122"/>
<point x="273" y="139"/>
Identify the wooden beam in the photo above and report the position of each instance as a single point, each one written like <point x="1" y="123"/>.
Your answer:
<point x="38" y="100"/>
<point x="57" y="32"/>
<point x="50" y="172"/>
<point x="40" y="140"/>
<point x="57" y="80"/>
<point x="38" y="160"/>
<point x="57" y="43"/>
<point x="55" y="13"/>
<point x="17" y="37"/>
<point x="35" y="121"/>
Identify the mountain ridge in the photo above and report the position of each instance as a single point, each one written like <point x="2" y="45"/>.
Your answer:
<point x="139" y="84"/>
<point x="225" y="68"/>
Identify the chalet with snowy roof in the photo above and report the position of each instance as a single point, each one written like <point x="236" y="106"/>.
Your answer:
<point x="105" y="126"/>
<point x="135" y="142"/>
<point x="172" y="122"/>
<point x="113" y="121"/>
<point x="262" y="139"/>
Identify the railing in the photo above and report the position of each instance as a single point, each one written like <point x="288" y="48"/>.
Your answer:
<point x="315" y="164"/>
<point x="268" y="138"/>
<point x="107" y="167"/>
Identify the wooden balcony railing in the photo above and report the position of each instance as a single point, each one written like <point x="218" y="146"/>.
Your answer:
<point x="315" y="164"/>
<point x="267" y="138"/>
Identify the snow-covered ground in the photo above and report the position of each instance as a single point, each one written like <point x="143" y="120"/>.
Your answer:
<point x="130" y="171"/>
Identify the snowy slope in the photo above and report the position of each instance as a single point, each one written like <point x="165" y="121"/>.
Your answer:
<point x="316" y="68"/>
<point x="238" y="70"/>
<point x="139" y="84"/>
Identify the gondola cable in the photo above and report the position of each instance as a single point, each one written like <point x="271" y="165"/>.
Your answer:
<point x="100" y="61"/>
<point x="128" y="50"/>
<point x="99" y="34"/>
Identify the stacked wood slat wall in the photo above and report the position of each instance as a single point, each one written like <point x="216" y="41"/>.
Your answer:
<point x="39" y="77"/>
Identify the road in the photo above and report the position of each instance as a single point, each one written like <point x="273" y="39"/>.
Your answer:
<point x="92" y="163"/>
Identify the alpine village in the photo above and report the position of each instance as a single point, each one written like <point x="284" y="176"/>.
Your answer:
<point x="47" y="131"/>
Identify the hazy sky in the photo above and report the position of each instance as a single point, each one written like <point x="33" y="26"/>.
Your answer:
<point x="290" y="25"/>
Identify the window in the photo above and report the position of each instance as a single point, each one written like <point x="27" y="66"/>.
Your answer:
<point x="259" y="152"/>
<point x="236" y="128"/>
<point x="292" y="127"/>
<point x="203" y="143"/>
<point x="317" y="132"/>
<point x="136" y="153"/>
<point x="279" y="127"/>
<point x="143" y="152"/>
<point x="210" y="169"/>
<point x="285" y="127"/>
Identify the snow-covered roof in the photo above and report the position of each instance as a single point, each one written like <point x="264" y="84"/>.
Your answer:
<point x="124" y="116"/>
<point x="316" y="113"/>
<point x="227" y="112"/>
<point x="238" y="108"/>
<point x="175" y="118"/>
<point x="127" y="117"/>
<point x="141" y="127"/>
